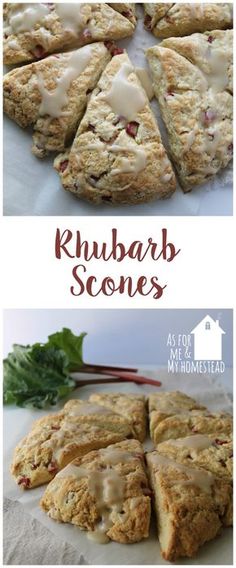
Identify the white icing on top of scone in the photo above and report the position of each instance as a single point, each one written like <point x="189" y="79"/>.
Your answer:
<point x="24" y="17"/>
<point x="200" y="478"/>
<point x="125" y="98"/>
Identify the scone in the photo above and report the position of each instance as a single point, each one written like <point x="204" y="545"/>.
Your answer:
<point x="117" y="155"/>
<point x="126" y="9"/>
<point x="192" y="79"/>
<point x="192" y="422"/>
<point x="32" y="31"/>
<point x="191" y="505"/>
<point x="213" y="452"/>
<point x="51" y="95"/>
<point x="105" y="493"/>
<point x="131" y="406"/>
<point x="167" y="20"/>
<point x="57" y="439"/>
<point x="164" y="404"/>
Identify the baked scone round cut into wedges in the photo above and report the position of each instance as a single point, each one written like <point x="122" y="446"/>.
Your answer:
<point x="192" y="80"/>
<point x="192" y="505"/>
<point x="57" y="439"/>
<point x="170" y="20"/>
<point x="51" y="95"/>
<point x="105" y="493"/>
<point x="117" y="155"/>
<point x="131" y="406"/>
<point x="32" y="31"/>
<point x="161" y="405"/>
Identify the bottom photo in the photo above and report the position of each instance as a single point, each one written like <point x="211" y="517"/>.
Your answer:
<point x="118" y="431"/>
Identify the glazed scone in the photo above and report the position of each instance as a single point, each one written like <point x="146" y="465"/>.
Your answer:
<point x="131" y="406"/>
<point x="161" y="405"/>
<point x="105" y="492"/>
<point x="191" y="505"/>
<point x="57" y="439"/>
<point x="126" y="9"/>
<point x="32" y="31"/>
<point x="167" y="20"/>
<point x="192" y="79"/>
<point x="51" y="95"/>
<point x="117" y="155"/>
<point x="212" y="452"/>
<point x="192" y="422"/>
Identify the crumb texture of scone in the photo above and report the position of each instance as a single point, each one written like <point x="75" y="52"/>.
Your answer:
<point x="117" y="155"/>
<point x="191" y="504"/>
<point x="131" y="406"/>
<point x="32" y="31"/>
<point x="105" y="493"/>
<point x="171" y="20"/>
<point x="51" y="95"/>
<point x="57" y="439"/>
<point x="192" y="80"/>
<point x="162" y="405"/>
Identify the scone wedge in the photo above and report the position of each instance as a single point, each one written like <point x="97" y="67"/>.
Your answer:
<point x="32" y="31"/>
<point x="171" y="20"/>
<point x="117" y="155"/>
<point x="51" y="95"/>
<point x="105" y="493"/>
<point x="126" y="9"/>
<point x="192" y="79"/>
<point x="192" y="505"/>
<point x="131" y="406"/>
<point x="57" y="439"/>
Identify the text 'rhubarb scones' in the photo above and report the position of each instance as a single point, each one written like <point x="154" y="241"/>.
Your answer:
<point x="192" y="79"/>
<point x="168" y="20"/>
<point x="32" y="31"/>
<point x="131" y="406"/>
<point x="106" y="493"/>
<point x="117" y="155"/>
<point x="57" y="439"/>
<point x="192" y="505"/>
<point x="52" y="94"/>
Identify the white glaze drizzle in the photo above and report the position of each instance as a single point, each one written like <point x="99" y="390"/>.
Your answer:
<point x="24" y="17"/>
<point x="200" y="478"/>
<point x="195" y="442"/>
<point x="71" y="16"/>
<point x="125" y="98"/>
<point x="125" y="164"/>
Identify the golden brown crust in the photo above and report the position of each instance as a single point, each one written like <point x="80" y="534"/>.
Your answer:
<point x="31" y="93"/>
<point x="193" y="83"/>
<point x="191" y="505"/>
<point x="57" y="439"/>
<point x="51" y="28"/>
<point x="127" y="10"/>
<point x="168" y="20"/>
<point x="193" y="422"/>
<point x="117" y="156"/>
<point x="80" y="494"/>
<point x="131" y="406"/>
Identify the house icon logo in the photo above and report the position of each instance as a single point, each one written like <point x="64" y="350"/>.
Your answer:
<point x="208" y="340"/>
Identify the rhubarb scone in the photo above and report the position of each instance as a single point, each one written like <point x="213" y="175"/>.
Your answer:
<point x="117" y="155"/>
<point x="105" y="493"/>
<point x="57" y="439"/>
<point x="192" y="422"/>
<point x="126" y="9"/>
<point x="171" y="20"/>
<point x="32" y="31"/>
<point x="51" y="95"/>
<point x="192" y="79"/>
<point x="213" y="452"/>
<point x="192" y="505"/>
<point x="131" y="406"/>
<point x="164" y="404"/>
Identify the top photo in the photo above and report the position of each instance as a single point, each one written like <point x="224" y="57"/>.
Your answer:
<point x="118" y="109"/>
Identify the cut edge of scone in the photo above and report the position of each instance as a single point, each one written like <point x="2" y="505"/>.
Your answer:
<point x="105" y="493"/>
<point x="123" y="404"/>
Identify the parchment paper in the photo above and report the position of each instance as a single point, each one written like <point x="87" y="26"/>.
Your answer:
<point x="17" y="423"/>
<point x="32" y="186"/>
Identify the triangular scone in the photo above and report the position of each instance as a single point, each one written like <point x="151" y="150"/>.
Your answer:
<point x="57" y="439"/>
<point x="213" y="452"/>
<point x="192" y="422"/>
<point x="131" y="406"/>
<point x="32" y="31"/>
<point x="106" y="493"/>
<point x="168" y="20"/>
<point x="126" y="9"/>
<point x="162" y="405"/>
<point x="193" y="84"/>
<point x="52" y="94"/>
<point x="117" y="155"/>
<point x="191" y="505"/>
